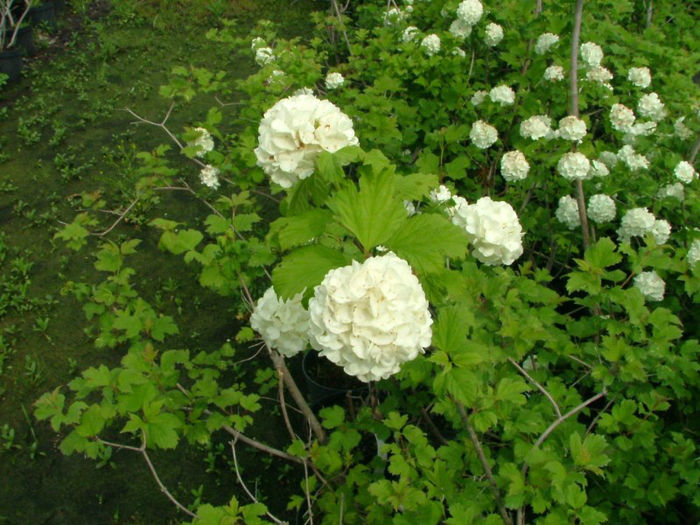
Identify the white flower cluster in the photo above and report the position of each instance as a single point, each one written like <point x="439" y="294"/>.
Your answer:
<point x="209" y="176"/>
<point x="573" y="165"/>
<point x="537" y="127"/>
<point x="673" y="191"/>
<point x="334" y="80"/>
<point x="591" y="54"/>
<point x="483" y="135"/>
<point x="503" y="95"/>
<point x="493" y="229"/>
<point x="650" y="106"/>
<point x="554" y="73"/>
<point x="636" y="222"/>
<point x="470" y="11"/>
<point x="478" y="97"/>
<point x="264" y="56"/>
<point x="283" y="325"/>
<point x="609" y="158"/>
<point x="394" y="16"/>
<point x="661" y="230"/>
<point x="685" y="172"/>
<point x="693" y="256"/>
<point x="440" y="194"/>
<point x="600" y="75"/>
<point x="571" y="128"/>
<point x="204" y="142"/>
<point x="622" y="118"/>
<point x="409" y="34"/>
<point x="639" y="76"/>
<point x="545" y="42"/>
<point x="598" y="169"/>
<point x="633" y="160"/>
<point x="493" y="34"/>
<point x="651" y="285"/>
<point x="514" y="166"/>
<point x="294" y="131"/>
<point x="460" y="29"/>
<point x="567" y="212"/>
<point x="601" y="208"/>
<point x="370" y="317"/>
<point x="431" y="44"/>
<point x="682" y="131"/>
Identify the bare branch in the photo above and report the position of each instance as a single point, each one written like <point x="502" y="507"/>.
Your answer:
<point x="342" y="25"/>
<point x="539" y="386"/>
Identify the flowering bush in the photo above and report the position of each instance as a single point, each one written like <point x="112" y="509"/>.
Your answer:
<point x="530" y="338"/>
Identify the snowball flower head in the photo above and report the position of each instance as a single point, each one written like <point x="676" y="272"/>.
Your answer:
<point x="537" y="127"/>
<point x="609" y="158"/>
<point x="567" y="212"/>
<point x="661" y="230"/>
<point x="493" y="230"/>
<point x="470" y="11"/>
<point x="493" y="34"/>
<point x="257" y="43"/>
<point x="681" y="130"/>
<point x="440" y="194"/>
<point x="283" y="325"/>
<point x="394" y="16"/>
<point x="514" y="166"/>
<point x="685" y="172"/>
<point x="601" y="208"/>
<point x="598" y="169"/>
<point x="264" y="56"/>
<point x="600" y="75"/>
<point x="633" y="160"/>
<point x="650" y="106"/>
<point x="639" y="76"/>
<point x="591" y="54"/>
<point x="204" y="142"/>
<point x="651" y="285"/>
<point x="431" y="44"/>
<point x="502" y="95"/>
<point x="483" y="135"/>
<point x="545" y="42"/>
<point x="209" y="176"/>
<point x="572" y="128"/>
<point x="554" y="73"/>
<point x="673" y="191"/>
<point x="637" y="222"/>
<point x="573" y="166"/>
<point x="409" y="34"/>
<point x="370" y="317"/>
<point x="294" y="131"/>
<point x="622" y="118"/>
<point x="460" y="29"/>
<point x="478" y="97"/>
<point x="334" y="80"/>
<point x="693" y="256"/>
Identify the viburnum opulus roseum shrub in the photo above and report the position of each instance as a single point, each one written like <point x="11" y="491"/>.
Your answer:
<point x="486" y="211"/>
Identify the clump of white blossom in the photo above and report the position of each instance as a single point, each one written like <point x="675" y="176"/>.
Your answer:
<point x="554" y="73"/>
<point x="591" y="54"/>
<point x="651" y="285"/>
<point x="622" y="118"/>
<point x="493" y="230"/>
<point x="661" y="230"/>
<point x="470" y="11"/>
<point x="609" y="158"/>
<point x="685" y="172"/>
<point x="601" y="208"/>
<point x="600" y="75"/>
<point x="209" y="176"/>
<point x="514" y="166"/>
<point x="483" y="135"/>
<point x="458" y="51"/>
<point x="567" y="212"/>
<point x="478" y="97"/>
<point x="682" y="131"/>
<point x="370" y="317"/>
<point x="573" y="165"/>
<point x="409" y="34"/>
<point x="264" y="56"/>
<point x="673" y="191"/>
<point x="334" y="80"/>
<point x="460" y="29"/>
<point x="643" y="128"/>
<point x="503" y="95"/>
<point x="440" y="194"/>
<point x="639" y="76"/>
<point x="431" y="44"/>
<point x="636" y="222"/>
<point x="545" y="42"/>
<point x="650" y="106"/>
<point x="394" y="16"/>
<point x="294" y="131"/>
<point x="410" y="208"/>
<point x="283" y="325"/>
<point x="571" y="128"/>
<point x="493" y="34"/>
<point x="693" y="255"/>
<point x="633" y="160"/>
<point x="257" y="43"/>
<point x="537" y="127"/>
<point x="599" y="169"/>
<point x="204" y="142"/>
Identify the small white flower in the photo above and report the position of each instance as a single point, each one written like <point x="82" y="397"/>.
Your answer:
<point x="608" y="158"/>
<point x="554" y="73"/>
<point x="283" y="325"/>
<point x="264" y="56"/>
<point x="567" y="212"/>
<point x="394" y="16"/>
<point x="682" y="131"/>
<point x="643" y="129"/>
<point x="591" y="54"/>
<point x="537" y="127"/>
<point x="600" y="75"/>
<point x="460" y="29"/>
<point x="598" y="169"/>
<point x="661" y="230"/>
<point x="514" y="166"/>
<point x="478" y="97"/>
<point x="633" y="160"/>
<point x="209" y="176"/>
<point x="409" y="34"/>
<point x="673" y="191"/>
<point x="572" y="128"/>
<point x="650" y="106"/>
<point x="483" y="135"/>
<point x="458" y="51"/>
<point x="410" y="208"/>
<point x="257" y="43"/>
<point x="502" y="95"/>
<point x="493" y="34"/>
<point x="685" y="172"/>
<point x="545" y="42"/>
<point x="440" y="194"/>
<point x="693" y="256"/>
<point x="637" y="222"/>
<point x="204" y="142"/>
<point x="639" y="76"/>
<point x="622" y="118"/>
<point x="275" y="75"/>
<point x="651" y="285"/>
<point x="431" y="44"/>
<point x="470" y="11"/>
<point x="303" y="91"/>
<point x="601" y="208"/>
<point x="573" y="166"/>
<point x="334" y="80"/>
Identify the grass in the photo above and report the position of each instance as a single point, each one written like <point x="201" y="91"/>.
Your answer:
<point x="63" y="132"/>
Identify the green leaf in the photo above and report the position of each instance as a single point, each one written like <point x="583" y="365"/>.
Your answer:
<point x="416" y="186"/>
<point x="300" y="229"/>
<point x="328" y="166"/>
<point x="511" y="390"/>
<point x="304" y="268"/>
<point x="332" y="416"/>
<point x="160" y="430"/>
<point x="180" y="242"/>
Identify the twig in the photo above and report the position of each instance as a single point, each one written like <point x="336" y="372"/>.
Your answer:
<point x="283" y="405"/>
<point x="432" y="427"/>
<point x="160" y="124"/>
<point x="484" y="463"/>
<point x="119" y="219"/>
<point x="694" y="150"/>
<point x="539" y="386"/>
<point x="650" y="12"/>
<point x="597" y="417"/>
<point x="342" y="25"/>
<point x="308" y="496"/>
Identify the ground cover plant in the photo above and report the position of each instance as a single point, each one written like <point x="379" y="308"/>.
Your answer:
<point x="485" y="213"/>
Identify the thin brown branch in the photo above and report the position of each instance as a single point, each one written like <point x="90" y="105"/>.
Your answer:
<point x="119" y="219"/>
<point x="694" y="150"/>
<point x="431" y="425"/>
<point x="539" y="386"/>
<point x="342" y="25"/>
<point x="283" y="406"/>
